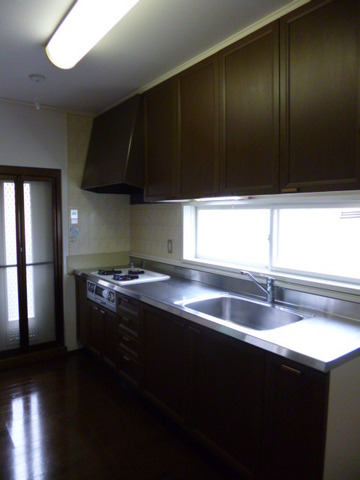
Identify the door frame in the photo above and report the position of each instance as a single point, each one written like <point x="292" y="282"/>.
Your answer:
<point x="20" y="175"/>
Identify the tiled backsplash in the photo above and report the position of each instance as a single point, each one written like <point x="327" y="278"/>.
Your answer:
<point x="152" y="225"/>
<point x="104" y="220"/>
<point x="107" y="223"/>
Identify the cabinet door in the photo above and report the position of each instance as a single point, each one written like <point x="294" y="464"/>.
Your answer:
<point x="165" y="360"/>
<point x="295" y="421"/>
<point x="82" y="310"/>
<point x="320" y="137"/>
<point x="96" y="329"/>
<point x="199" y="130"/>
<point x="226" y="395"/>
<point x="110" y="339"/>
<point x="249" y="118"/>
<point x="161" y="127"/>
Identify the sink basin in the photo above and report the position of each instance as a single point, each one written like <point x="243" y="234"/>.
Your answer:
<point x="241" y="311"/>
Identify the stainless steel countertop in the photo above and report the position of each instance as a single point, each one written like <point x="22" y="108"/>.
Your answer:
<point x="322" y="341"/>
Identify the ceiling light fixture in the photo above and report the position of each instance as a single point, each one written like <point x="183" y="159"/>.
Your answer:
<point x="83" y="27"/>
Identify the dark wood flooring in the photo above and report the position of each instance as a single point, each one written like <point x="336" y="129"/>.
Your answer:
<point x="71" y="418"/>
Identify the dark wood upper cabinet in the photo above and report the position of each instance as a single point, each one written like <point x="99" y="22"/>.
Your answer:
<point x="320" y="137"/>
<point x="161" y="134"/>
<point x="249" y="114"/>
<point x="277" y="111"/>
<point x="199" y="130"/>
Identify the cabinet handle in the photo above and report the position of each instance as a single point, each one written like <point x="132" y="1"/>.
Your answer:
<point x="127" y="359"/>
<point x="294" y="371"/>
<point x="289" y="190"/>
<point x="194" y="329"/>
<point x="126" y="339"/>
<point x="126" y="320"/>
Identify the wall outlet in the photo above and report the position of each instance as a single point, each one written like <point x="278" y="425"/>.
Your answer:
<point x="170" y="246"/>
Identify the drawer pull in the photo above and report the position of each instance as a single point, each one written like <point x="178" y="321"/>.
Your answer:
<point x="194" y="329"/>
<point x="127" y="359"/>
<point x="126" y="320"/>
<point x="126" y="339"/>
<point x="294" y="371"/>
<point x="289" y="190"/>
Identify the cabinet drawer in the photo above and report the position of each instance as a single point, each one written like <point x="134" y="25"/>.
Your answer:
<point x="129" y="324"/>
<point x="129" y="368"/>
<point x="129" y="345"/>
<point x="127" y="305"/>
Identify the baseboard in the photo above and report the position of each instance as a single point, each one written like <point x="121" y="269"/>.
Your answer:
<point x="32" y="357"/>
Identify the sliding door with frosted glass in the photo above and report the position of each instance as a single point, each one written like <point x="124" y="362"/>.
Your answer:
<point x="9" y="306"/>
<point x="30" y="248"/>
<point x="39" y="258"/>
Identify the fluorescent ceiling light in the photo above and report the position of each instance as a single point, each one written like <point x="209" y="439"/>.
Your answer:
<point x="84" y="26"/>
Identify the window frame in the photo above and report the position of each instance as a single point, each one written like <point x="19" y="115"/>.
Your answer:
<point x="273" y="203"/>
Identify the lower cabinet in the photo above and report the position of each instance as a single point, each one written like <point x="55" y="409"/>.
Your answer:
<point x="130" y="340"/>
<point x="261" y="413"/>
<point x="102" y="334"/>
<point x="164" y="360"/>
<point x="226" y="396"/>
<point x="95" y="329"/>
<point x="82" y="312"/>
<point x="295" y="421"/>
<point x="110" y="339"/>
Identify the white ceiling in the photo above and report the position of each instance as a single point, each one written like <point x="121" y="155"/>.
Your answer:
<point x="153" y="39"/>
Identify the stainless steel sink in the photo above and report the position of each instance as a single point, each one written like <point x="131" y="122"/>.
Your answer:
<point x="245" y="312"/>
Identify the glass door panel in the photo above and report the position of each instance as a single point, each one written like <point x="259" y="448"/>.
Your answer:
<point x="39" y="248"/>
<point x="9" y="304"/>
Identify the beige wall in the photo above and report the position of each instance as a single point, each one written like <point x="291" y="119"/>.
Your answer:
<point x="104" y="220"/>
<point x="108" y="223"/>
<point x="151" y="227"/>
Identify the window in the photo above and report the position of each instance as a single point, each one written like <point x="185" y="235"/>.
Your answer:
<point x="322" y="241"/>
<point x="310" y="240"/>
<point x="233" y="236"/>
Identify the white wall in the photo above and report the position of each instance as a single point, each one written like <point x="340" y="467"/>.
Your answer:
<point x="38" y="138"/>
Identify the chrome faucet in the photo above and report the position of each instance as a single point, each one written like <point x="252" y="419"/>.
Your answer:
<point x="269" y="290"/>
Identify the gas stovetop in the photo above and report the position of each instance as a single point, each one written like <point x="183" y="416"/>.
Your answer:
<point x="129" y="276"/>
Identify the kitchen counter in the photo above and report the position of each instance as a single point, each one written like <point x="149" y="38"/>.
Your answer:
<point x="321" y="341"/>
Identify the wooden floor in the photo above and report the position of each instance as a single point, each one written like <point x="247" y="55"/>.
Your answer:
<point x="73" y="419"/>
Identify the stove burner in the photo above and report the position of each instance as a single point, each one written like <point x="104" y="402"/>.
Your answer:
<point x="123" y="278"/>
<point x="109" y="272"/>
<point x="135" y="271"/>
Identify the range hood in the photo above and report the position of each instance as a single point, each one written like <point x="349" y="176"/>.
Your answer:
<point x="115" y="158"/>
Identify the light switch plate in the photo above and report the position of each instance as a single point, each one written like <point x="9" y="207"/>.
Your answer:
<point x="170" y="246"/>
